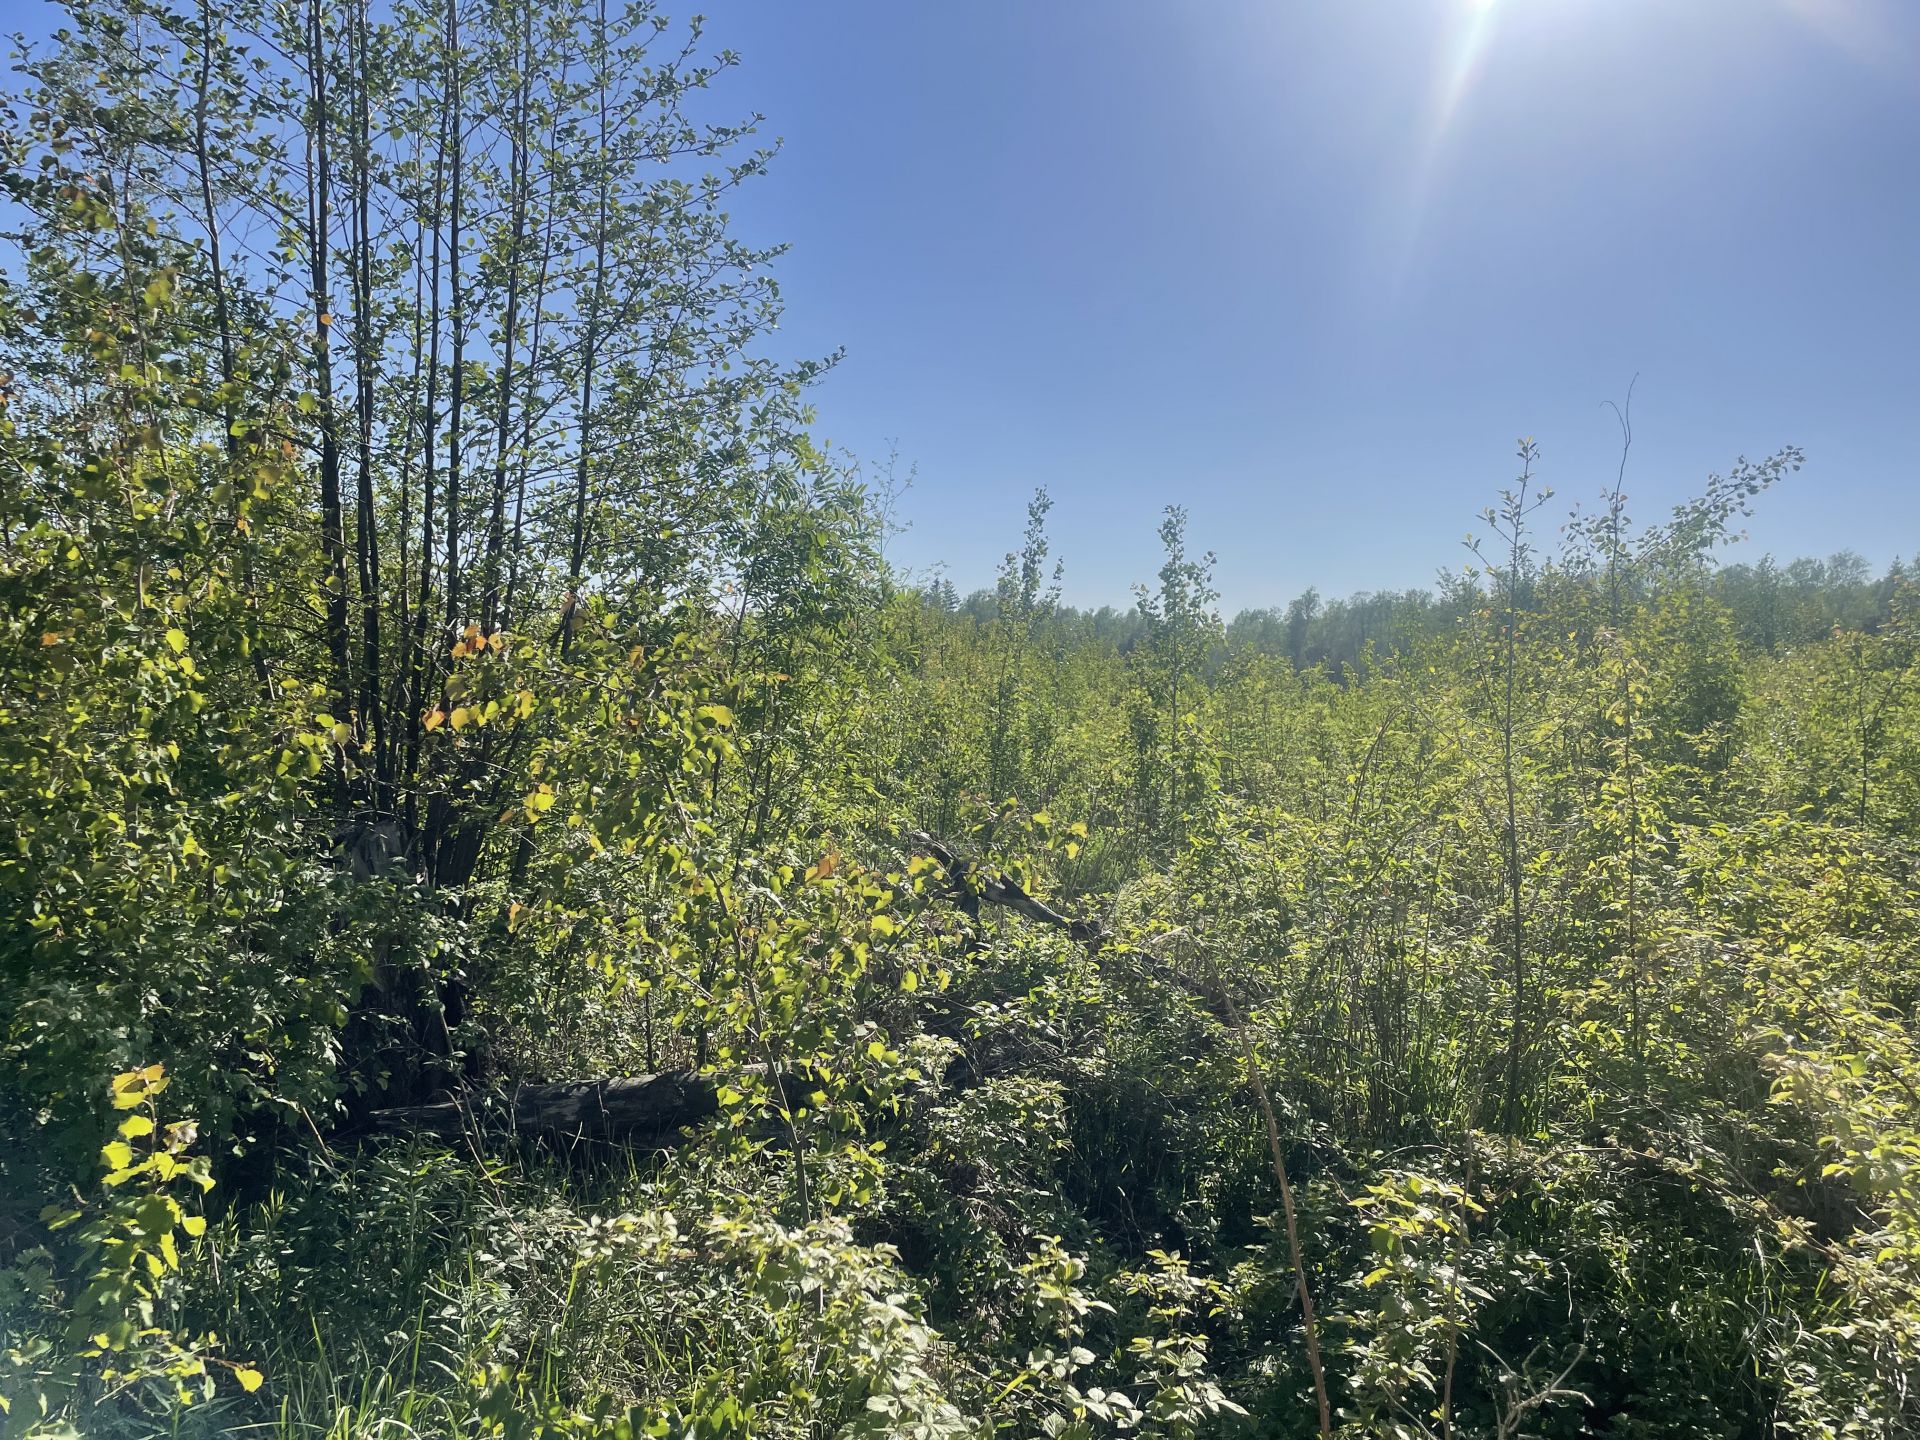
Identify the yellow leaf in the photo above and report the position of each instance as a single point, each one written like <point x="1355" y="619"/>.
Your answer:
<point x="435" y="719"/>
<point x="169" y="1251"/>
<point x="135" y="1126"/>
<point x="461" y="717"/>
<point x="117" y="1153"/>
<point x="910" y="981"/>
<point x="194" y="1225"/>
<point x="250" y="1379"/>
<point x="177" y="638"/>
<point x="129" y="1090"/>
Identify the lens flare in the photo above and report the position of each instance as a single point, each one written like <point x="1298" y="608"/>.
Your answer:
<point x="1462" y="59"/>
<point x="1866" y="31"/>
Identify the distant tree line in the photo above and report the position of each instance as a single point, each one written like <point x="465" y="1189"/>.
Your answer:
<point x="1775" y="607"/>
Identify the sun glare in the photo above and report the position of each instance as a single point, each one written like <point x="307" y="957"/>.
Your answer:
<point x="1460" y="62"/>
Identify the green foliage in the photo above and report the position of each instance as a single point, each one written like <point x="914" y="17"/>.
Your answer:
<point x="91" y="1315"/>
<point x="434" y="657"/>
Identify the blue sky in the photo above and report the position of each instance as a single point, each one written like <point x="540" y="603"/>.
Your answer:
<point x="1308" y="268"/>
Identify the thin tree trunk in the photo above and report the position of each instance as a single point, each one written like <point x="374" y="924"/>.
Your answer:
<point x="211" y="218"/>
<point x="1296" y="1254"/>
<point x="524" y="461"/>
<point x="457" y="318"/>
<point x="576" y="566"/>
<point x="332" y="521"/>
<point x="367" y="537"/>
<point x="422" y="665"/>
<point x="1516" y="922"/>
<point x="399" y="696"/>
<point x="1516" y="937"/>
<point x="223" y="322"/>
<point x="494" y="568"/>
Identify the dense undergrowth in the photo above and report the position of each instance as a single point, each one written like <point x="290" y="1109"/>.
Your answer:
<point x="1526" y="988"/>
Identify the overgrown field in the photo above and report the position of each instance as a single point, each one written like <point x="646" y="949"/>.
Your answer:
<point x="435" y="663"/>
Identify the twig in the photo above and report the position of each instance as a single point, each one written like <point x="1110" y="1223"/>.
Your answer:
<point x="1286" y="1207"/>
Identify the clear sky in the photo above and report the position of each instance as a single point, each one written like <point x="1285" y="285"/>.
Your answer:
<point x="1308" y="267"/>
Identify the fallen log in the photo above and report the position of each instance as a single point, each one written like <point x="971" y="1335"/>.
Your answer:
<point x="970" y="884"/>
<point x="628" y="1110"/>
<point x="656" y="1110"/>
